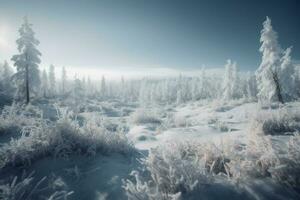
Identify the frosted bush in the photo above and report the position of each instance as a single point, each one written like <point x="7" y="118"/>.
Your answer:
<point x="24" y="187"/>
<point x="223" y="106"/>
<point x="143" y="116"/>
<point x="17" y="116"/>
<point x="177" y="170"/>
<point x="266" y="155"/>
<point x="175" y="120"/>
<point x="180" y="121"/>
<point x="279" y="122"/>
<point x="219" y="125"/>
<point x="61" y="139"/>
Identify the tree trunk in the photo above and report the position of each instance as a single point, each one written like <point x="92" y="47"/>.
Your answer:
<point x="27" y="85"/>
<point x="27" y="80"/>
<point x="277" y="85"/>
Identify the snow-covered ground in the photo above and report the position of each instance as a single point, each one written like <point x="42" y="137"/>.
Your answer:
<point x="195" y="121"/>
<point x="167" y="152"/>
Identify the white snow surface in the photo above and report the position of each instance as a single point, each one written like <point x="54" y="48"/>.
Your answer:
<point x="102" y="175"/>
<point x="201" y="123"/>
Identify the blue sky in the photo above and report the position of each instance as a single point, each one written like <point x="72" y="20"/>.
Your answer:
<point x="150" y="34"/>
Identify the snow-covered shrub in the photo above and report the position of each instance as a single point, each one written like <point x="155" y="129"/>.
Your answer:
<point x="175" y="120"/>
<point x="264" y="155"/>
<point x="61" y="139"/>
<point x="180" y="121"/>
<point x="89" y="138"/>
<point x="224" y="106"/>
<point x="143" y="116"/>
<point x="16" y="116"/>
<point x="176" y="169"/>
<point x="271" y="151"/>
<point x="278" y="122"/>
<point x="24" y="187"/>
<point x="219" y="125"/>
<point x="287" y="169"/>
<point x="268" y="158"/>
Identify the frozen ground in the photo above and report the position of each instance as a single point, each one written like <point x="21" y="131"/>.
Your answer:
<point x="195" y="121"/>
<point x="161" y="136"/>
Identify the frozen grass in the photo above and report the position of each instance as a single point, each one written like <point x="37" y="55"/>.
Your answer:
<point x="61" y="139"/>
<point x="23" y="187"/>
<point x="17" y="116"/>
<point x="176" y="169"/>
<point x="281" y="121"/>
<point x="219" y="125"/>
<point x="223" y="106"/>
<point x="181" y="170"/>
<point x="175" y="120"/>
<point x="143" y="116"/>
<point x="179" y="120"/>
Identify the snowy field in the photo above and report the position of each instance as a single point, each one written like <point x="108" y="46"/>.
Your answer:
<point x="117" y="151"/>
<point x="213" y="134"/>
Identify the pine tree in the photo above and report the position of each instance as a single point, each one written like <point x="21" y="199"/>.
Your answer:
<point x="103" y="87"/>
<point x="63" y="80"/>
<point x="78" y="90"/>
<point x="6" y="86"/>
<point x="90" y="87"/>
<point x="45" y="87"/>
<point x="236" y="84"/>
<point x="297" y="80"/>
<point x="287" y="76"/>
<point x="27" y="62"/>
<point x="227" y="83"/>
<point x="7" y="73"/>
<point x="83" y="83"/>
<point x="179" y="99"/>
<point x="203" y="84"/>
<point x="251" y="88"/>
<point x="52" y="81"/>
<point x="123" y="89"/>
<point x="268" y="70"/>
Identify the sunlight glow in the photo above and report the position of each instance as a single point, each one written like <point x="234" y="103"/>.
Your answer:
<point x="96" y="73"/>
<point x="3" y="38"/>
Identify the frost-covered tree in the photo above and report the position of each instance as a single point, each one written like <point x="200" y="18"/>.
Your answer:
<point x="63" y="80"/>
<point x="203" y="87"/>
<point x="6" y="86"/>
<point x="195" y="89"/>
<point x="287" y="77"/>
<point x="103" y="87"/>
<point x="27" y="62"/>
<point x="6" y="74"/>
<point x="179" y="98"/>
<point x="89" y="87"/>
<point x="230" y="81"/>
<point x="84" y="86"/>
<point x="297" y="80"/>
<point x="52" y="81"/>
<point x="250" y="86"/>
<point x="78" y="90"/>
<point x="143" y="98"/>
<point x="269" y="68"/>
<point x="45" y="86"/>
<point x="179" y="92"/>
<point x="237" y="91"/>
<point x="123" y="89"/>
